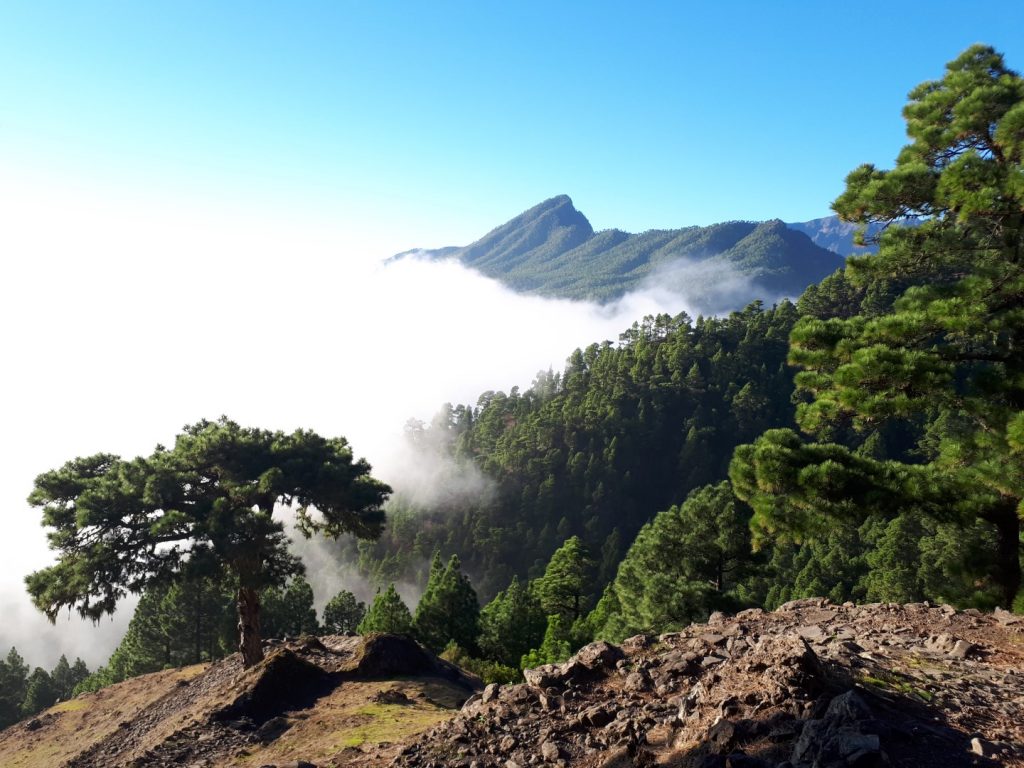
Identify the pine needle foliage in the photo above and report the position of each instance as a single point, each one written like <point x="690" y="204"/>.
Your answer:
<point x="946" y="357"/>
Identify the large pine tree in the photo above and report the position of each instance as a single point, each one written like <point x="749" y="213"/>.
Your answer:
<point x="207" y="504"/>
<point x="945" y="359"/>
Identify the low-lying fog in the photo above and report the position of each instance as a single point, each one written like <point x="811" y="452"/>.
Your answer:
<point x="125" y="320"/>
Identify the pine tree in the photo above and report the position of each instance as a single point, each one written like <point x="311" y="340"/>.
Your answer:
<point x="289" y="612"/>
<point x="147" y="646"/>
<point x="40" y="692"/>
<point x="684" y="564"/>
<point x="387" y="613"/>
<point x="511" y="624"/>
<point x="79" y="671"/>
<point x="65" y="677"/>
<point x="945" y="358"/>
<point x="60" y="675"/>
<point x="949" y="565"/>
<point x="13" y="685"/>
<point x="201" y="614"/>
<point x="894" y="559"/>
<point x="429" y="596"/>
<point x="207" y="502"/>
<point x="449" y="610"/>
<point x="556" y="646"/>
<point x="173" y="625"/>
<point x="343" y="613"/>
<point x="605" y="621"/>
<point x="829" y="565"/>
<point x="566" y="583"/>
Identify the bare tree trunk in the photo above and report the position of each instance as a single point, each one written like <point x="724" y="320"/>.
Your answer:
<point x="199" y="624"/>
<point x="249" y="642"/>
<point x="1007" y="567"/>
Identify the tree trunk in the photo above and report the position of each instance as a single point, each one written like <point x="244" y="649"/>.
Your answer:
<point x="249" y="643"/>
<point x="1007" y="570"/>
<point x="199" y="625"/>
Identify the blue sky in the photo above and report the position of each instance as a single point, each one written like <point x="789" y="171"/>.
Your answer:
<point x="428" y="123"/>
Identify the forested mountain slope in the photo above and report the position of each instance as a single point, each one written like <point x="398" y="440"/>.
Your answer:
<point x="552" y="250"/>
<point x="626" y="430"/>
<point x="632" y="438"/>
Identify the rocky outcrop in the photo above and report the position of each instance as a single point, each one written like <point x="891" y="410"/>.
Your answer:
<point x="811" y="685"/>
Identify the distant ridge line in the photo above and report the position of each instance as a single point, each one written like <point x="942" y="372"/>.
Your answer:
<point x="552" y="250"/>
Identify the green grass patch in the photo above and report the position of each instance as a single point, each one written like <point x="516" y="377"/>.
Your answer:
<point x="390" y="722"/>
<point x="896" y="685"/>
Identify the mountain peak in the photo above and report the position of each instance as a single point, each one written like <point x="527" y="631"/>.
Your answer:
<point x="557" y="200"/>
<point x="560" y="206"/>
<point x="551" y="249"/>
<point x="544" y="231"/>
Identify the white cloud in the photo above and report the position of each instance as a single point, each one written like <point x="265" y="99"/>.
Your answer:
<point x="126" y="318"/>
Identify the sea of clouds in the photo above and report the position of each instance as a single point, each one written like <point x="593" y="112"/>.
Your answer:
<point x="125" y="319"/>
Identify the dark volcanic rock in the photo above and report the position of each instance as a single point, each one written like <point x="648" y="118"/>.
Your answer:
<point x="845" y="736"/>
<point x="812" y="685"/>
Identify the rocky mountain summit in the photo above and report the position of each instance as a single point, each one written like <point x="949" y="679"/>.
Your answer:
<point x="811" y="685"/>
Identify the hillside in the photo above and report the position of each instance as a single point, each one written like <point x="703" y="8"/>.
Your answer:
<point x="331" y="702"/>
<point x="596" y="450"/>
<point x="552" y="250"/>
<point x="813" y="683"/>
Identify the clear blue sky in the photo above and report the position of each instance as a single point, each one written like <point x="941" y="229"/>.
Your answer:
<point x="445" y="118"/>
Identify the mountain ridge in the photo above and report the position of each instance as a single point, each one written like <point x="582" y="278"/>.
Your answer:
<point x="551" y="249"/>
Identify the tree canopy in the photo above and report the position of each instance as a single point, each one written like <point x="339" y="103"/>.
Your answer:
<point x="566" y="582"/>
<point x="683" y="565"/>
<point x="511" y="624"/>
<point x="387" y="613"/>
<point x="626" y="430"/>
<point x="944" y="358"/>
<point x="343" y="613"/>
<point x="23" y="694"/>
<point x="449" y="610"/>
<point x="209" y="502"/>
<point x="288" y="611"/>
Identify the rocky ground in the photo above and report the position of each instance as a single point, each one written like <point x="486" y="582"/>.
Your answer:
<point x="809" y="685"/>
<point x="336" y="701"/>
